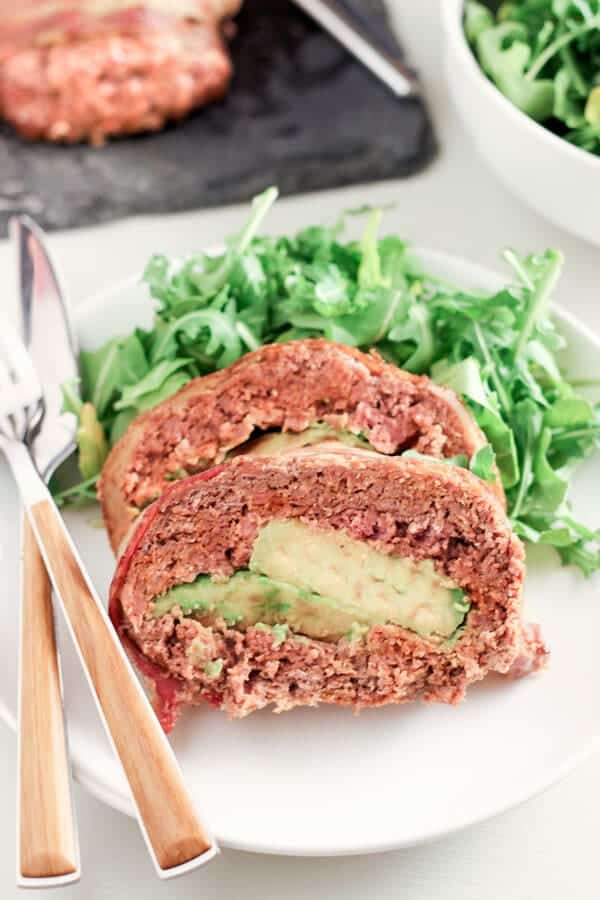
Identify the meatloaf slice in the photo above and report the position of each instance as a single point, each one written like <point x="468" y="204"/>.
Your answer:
<point x="283" y="387"/>
<point x="231" y="589"/>
<point x="74" y="71"/>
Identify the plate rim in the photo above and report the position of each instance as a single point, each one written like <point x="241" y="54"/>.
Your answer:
<point x="115" y="798"/>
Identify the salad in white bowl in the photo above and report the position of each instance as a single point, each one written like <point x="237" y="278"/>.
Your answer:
<point x="523" y="78"/>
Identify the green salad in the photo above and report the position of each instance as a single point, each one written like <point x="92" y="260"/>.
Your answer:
<point x="544" y="55"/>
<point x="498" y="352"/>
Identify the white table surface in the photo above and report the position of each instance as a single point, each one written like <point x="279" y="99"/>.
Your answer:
<point x="548" y="847"/>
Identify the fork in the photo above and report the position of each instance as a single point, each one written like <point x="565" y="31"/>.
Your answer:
<point x="176" y="838"/>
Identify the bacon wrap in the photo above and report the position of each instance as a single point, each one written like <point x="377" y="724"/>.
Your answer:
<point x="167" y="693"/>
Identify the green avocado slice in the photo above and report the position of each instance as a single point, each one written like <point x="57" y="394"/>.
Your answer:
<point x="323" y="584"/>
<point x="274" y="443"/>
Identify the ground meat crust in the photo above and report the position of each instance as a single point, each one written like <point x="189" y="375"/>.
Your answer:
<point x="71" y="75"/>
<point x="282" y="386"/>
<point x="422" y="510"/>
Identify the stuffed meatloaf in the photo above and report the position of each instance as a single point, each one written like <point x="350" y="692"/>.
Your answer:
<point x="331" y="575"/>
<point x="284" y="395"/>
<point x="73" y="71"/>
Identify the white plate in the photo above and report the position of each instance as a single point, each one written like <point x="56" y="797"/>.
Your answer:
<point x="325" y="782"/>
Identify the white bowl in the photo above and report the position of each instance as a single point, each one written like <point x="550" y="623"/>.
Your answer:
<point x="557" y="179"/>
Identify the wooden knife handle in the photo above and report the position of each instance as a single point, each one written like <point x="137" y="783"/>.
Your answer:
<point x="169" y="821"/>
<point x="47" y="842"/>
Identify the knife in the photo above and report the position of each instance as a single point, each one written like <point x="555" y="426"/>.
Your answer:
<point x="47" y="842"/>
<point x="352" y="30"/>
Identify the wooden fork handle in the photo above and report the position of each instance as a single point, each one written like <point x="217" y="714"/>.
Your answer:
<point x="174" y="833"/>
<point x="47" y="841"/>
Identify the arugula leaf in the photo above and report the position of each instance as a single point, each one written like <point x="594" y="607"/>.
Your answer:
<point x="72" y="402"/>
<point x="539" y="274"/>
<point x="331" y="292"/>
<point x="542" y="364"/>
<point x="526" y="420"/>
<point x="120" y="362"/>
<point x="550" y="486"/>
<point x="561" y="42"/>
<point x="460" y="460"/>
<point x="415" y="334"/>
<point x="120" y="424"/>
<point x="478" y="18"/>
<point x="378" y="297"/>
<point x="369" y="271"/>
<point x="498" y="352"/>
<point x="82" y="493"/>
<point x="210" y="279"/>
<point x="504" y="55"/>
<point x="544" y="56"/>
<point x="394" y="262"/>
<point x="483" y="462"/>
<point x="465" y="379"/>
<point x="503" y="442"/>
<point x="586" y="557"/>
<point x="153" y="383"/>
<point x="568" y="103"/>
<point x="213" y="330"/>
<point x="368" y="326"/>
<point x="569" y="410"/>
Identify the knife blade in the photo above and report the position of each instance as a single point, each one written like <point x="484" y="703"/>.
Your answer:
<point x="345" y="26"/>
<point x="47" y="841"/>
<point x="50" y="340"/>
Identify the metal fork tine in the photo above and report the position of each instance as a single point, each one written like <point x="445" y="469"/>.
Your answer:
<point x="6" y="386"/>
<point x="14" y="419"/>
<point x="20" y="389"/>
<point x="15" y="354"/>
<point x="7" y="425"/>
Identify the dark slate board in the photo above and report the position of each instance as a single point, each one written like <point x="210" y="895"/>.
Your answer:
<point x="302" y="114"/>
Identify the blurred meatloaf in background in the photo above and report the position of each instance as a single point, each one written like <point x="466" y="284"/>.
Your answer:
<point x="83" y="71"/>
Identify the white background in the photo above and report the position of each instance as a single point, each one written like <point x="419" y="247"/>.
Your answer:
<point x="547" y="848"/>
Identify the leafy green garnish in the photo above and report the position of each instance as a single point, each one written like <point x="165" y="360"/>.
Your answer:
<point x="478" y="19"/>
<point x="482" y="463"/>
<point x="107" y="371"/>
<point x="498" y="352"/>
<point x="82" y="493"/>
<point x="504" y="56"/>
<point x="72" y="401"/>
<point x="544" y="55"/>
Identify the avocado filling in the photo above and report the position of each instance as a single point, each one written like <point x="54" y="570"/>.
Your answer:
<point x="323" y="584"/>
<point x="275" y="442"/>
